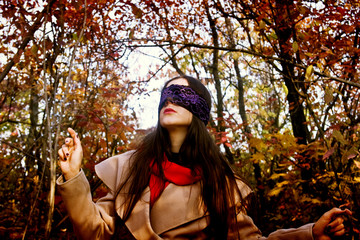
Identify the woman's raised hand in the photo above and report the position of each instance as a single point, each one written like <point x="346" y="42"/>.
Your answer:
<point x="70" y="155"/>
<point x="330" y="224"/>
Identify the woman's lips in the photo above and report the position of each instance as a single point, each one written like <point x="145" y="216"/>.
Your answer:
<point x="169" y="110"/>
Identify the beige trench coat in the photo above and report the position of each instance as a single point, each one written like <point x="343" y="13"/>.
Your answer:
<point x="177" y="214"/>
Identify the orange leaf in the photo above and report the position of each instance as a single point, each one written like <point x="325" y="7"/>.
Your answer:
<point x="357" y="164"/>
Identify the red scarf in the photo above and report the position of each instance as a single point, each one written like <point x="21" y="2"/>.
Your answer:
<point x="173" y="173"/>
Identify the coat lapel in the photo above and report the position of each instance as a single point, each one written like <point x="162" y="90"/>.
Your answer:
<point x="139" y="221"/>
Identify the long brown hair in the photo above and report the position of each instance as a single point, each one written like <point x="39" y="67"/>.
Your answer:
<point x="218" y="185"/>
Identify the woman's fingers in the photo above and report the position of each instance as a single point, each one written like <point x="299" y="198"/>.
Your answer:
<point x="75" y="145"/>
<point x="65" y="152"/>
<point x="335" y="226"/>
<point x="69" y="142"/>
<point x="336" y="231"/>
<point x="67" y="149"/>
<point x="74" y="136"/>
<point x="61" y="154"/>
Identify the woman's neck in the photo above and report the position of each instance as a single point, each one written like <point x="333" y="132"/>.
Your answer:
<point x="177" y="137"/>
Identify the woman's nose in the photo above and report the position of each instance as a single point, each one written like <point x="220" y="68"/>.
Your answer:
<point x="167" y="102"/>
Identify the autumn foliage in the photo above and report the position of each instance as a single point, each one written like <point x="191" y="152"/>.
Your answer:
<point x="284" y="76"/>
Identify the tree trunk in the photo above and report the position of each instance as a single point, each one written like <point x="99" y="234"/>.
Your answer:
<point x="215" y="72"/>
<point x="284" y="31"/>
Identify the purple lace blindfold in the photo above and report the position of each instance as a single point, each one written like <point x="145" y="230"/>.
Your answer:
<point x="187" y="98"/>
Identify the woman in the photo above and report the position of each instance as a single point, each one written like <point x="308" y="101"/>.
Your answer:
<point x="175" y="185"/>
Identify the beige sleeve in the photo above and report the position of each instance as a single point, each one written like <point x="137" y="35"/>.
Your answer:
<point x="248" y="230"/>
<point x="301" y="233"/>
<point x="91" y="220"/>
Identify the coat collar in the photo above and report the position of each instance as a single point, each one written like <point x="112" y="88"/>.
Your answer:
<point x="139" y="220"/>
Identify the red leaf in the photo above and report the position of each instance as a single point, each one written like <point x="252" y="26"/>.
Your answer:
<point x="228" y="145"/>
